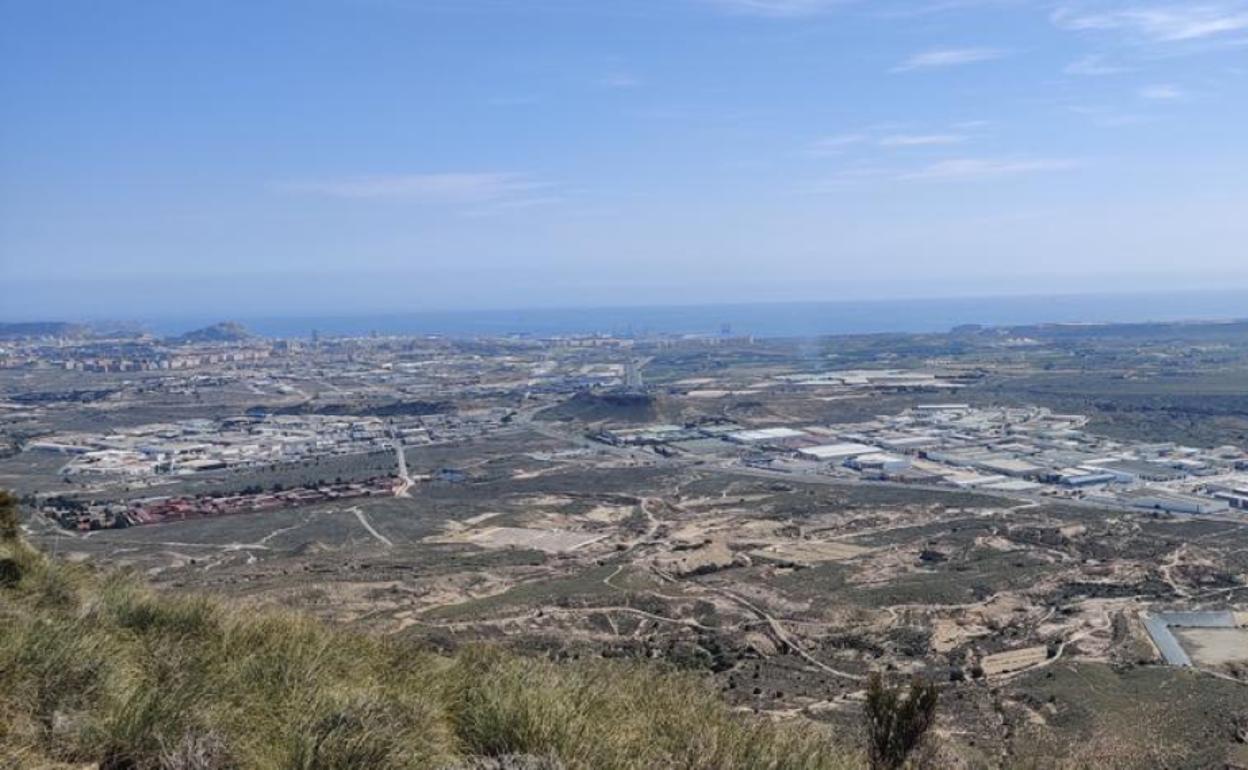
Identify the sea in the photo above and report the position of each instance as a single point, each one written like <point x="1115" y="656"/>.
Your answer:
<point x="778" y="319"/>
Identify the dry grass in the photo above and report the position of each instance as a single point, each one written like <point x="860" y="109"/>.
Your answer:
<point x="99" y="669"/>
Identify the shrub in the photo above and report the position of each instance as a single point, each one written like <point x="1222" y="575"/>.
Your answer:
<point x="96" y="668"/>
<point x="896" y="720"/>
<point x="8" y="516"/>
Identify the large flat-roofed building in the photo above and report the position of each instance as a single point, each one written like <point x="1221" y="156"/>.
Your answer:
<point x="1237" y="500"/>
<point x="1008" y="466"/>
<point x="837" y="452"/>
<point x="1173" y="502"/>
<point x="1084" y="477"/>
<point x="909" y="443"/>
<point x="764" y="434"/>
<point x="1139" y="470"/>
<point x="879" y="462"/>
<point x="1236" y="494"/>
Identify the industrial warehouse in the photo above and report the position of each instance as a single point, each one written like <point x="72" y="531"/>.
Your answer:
<point x="1030" y="451"/>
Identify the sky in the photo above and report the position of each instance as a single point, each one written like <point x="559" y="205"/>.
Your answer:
<point x="303" y="156"/>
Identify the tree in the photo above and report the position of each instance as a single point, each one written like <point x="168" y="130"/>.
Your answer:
<point x="8" y="516"/>
<point x="897" y="720"/>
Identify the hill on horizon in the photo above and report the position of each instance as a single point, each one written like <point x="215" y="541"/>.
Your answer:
<point x="225" y="331"/>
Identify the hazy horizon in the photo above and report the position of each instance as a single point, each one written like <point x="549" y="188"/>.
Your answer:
<point x="794" y="319"/>
<point x="364" y="155"/>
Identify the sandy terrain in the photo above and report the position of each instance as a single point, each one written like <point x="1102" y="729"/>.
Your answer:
<point x="1211" y="647"/>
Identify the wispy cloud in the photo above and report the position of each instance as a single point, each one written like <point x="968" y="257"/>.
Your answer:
<point x="835" y="145"/>
<point x="1108" y="117"/>
<point x="496" y="208"/>
<point x="948" y="57"/>
<point x="777" y="8"/>
<point x="1158" y="23"/>
<point x="953" y="170"/>
<point x="1094" y="65"/>
<point x="909" y="9"/>
<point x="847" y="177"/>
<point x="958" y="169"/>
<point x="458" y="187"/>
<point x="890" y="136"/>
<point x="921" y="140"/>
<point x="621" y="80"/>
<point x="1161" y="92"/>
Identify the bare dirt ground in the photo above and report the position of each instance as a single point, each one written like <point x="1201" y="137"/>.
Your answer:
<point x="784" y="592"/>
<point x="1214" y="647"/>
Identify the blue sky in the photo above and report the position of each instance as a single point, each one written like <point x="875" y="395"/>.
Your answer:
<point x="275" y="156"/>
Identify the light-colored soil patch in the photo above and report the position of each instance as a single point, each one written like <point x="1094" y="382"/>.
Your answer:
<point x="811" y="552"/>
<point x="1014" y="660"/>
<point x="945" y="635"/>
<point x="551" y="541"/>
<point x="460" y="526"/>
<point x="998" y="544"/>
<point x="1210" y="647"/>
<point x="708" y="558"/>
<point x="529" y="475"/>
<point x="1002" y="611"/>
<point x="542" y="501"/>
<point x="608" y="514"/>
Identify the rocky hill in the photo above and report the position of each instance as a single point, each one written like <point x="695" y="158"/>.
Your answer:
<point x="226" y="331"/>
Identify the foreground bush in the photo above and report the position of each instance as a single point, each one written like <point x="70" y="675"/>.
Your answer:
<point x="99" y="669"/>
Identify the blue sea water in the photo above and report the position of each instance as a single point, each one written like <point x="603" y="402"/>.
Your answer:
<point x="790" y="319"/>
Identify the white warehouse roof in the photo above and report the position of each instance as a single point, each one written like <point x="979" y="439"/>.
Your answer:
<point x="837" y="451"/>
<point x="765" y="434"/>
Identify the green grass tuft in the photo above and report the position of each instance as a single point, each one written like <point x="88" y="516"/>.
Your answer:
<point x="97" y="668"/>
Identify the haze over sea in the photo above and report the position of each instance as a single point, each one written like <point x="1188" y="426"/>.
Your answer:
<point x="789" y="319"/>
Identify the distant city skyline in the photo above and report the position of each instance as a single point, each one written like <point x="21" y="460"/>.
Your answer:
<point x="351" y="156"/>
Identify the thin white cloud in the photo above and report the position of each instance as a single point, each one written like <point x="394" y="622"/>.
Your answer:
<point x="458" y="187"/>
<point x="835" y="145"/>
<point x="1158" y="23"/>
<point x="920" y="140"/>
<point x="952" y="170"/>
<point x="959" y="169"/>
<point x="1094" y="65"/>
<point x="777" y="8"/>
<point x="1108" y="117"/>
<point x="621" y="80"/>
<point x="515" y="204"/>
<point x="888" y="136"/>
<point x="948" y="57"/>
<point x="847" y="177"/>
<point x="909" y="9"/>
<point x="1161" y="92"/>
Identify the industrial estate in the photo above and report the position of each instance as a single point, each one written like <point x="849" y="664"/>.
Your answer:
<point x="1051" y="522"/>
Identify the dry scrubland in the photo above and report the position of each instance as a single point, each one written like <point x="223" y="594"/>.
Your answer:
<point x="97" y="669"/>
